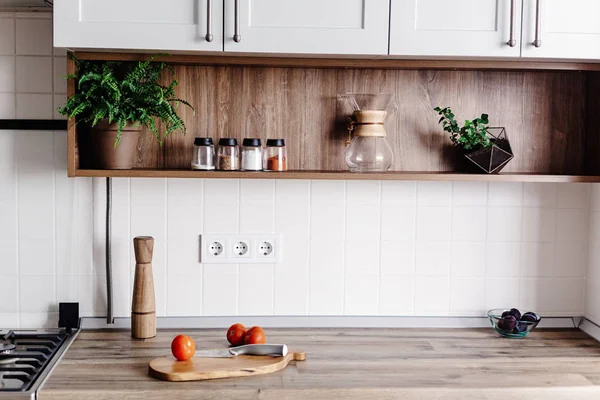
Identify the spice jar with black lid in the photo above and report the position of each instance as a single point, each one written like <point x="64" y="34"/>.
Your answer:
<point x="275" y="157"/>
<point x="228" y="155"/>
<point x="204" y="154"/>
<point x="252" y="154"/>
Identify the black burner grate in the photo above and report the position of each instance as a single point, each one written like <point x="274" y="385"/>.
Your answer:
<point x="32" y="353"/>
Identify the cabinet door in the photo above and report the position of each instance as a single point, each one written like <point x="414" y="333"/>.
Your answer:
<point x="567" y="29"/>
<point x="455" y="28"/>
<point x="138" y="24"/>
<point x="307" y="26"/>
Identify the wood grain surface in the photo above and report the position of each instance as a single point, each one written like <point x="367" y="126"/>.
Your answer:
<point x="143" y="304"/>
<point x="200" y="369"/>
<point x="544" y="114"/>
<point x="347" y="364"/>
<point x="345" y="175"/>
<point x="351" y="61"/>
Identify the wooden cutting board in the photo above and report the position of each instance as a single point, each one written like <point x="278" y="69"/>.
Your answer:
<point x="198" y="369"/>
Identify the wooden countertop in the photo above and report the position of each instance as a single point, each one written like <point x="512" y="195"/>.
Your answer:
<point x="347" y="364"/>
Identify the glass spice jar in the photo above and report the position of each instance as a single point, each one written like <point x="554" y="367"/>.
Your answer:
<point x="204" y="154"/>
<point x="275" y="157"/>
<point x="252" y="154"/>
<point x="228" y="155"/>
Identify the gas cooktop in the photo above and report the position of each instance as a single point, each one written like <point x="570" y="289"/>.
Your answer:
<point x="27" y="357"/>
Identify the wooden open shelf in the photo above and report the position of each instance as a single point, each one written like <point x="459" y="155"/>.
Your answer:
<point x="337" y="175"/>
<point x="549" y="110"/>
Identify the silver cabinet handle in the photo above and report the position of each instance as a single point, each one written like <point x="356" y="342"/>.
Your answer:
<point x="209" y="35"/>
<point x="512" y="42"/>
<point x="237" y="37"/>
<point x="538" y="24"/>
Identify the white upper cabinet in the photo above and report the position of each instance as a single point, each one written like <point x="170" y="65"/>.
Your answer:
<point x="307" y="26"/>
<point x="561" y="29"/>
<point x="139" y="24"/>
<point x="456" y="28"/>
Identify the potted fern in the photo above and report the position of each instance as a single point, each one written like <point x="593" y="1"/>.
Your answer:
<point x="115" y="100"/>
<point x="485" y="147"/>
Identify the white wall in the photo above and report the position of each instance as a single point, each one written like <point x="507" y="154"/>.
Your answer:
<point x="45" y="218"/>
<point x="359" y="248"/>
<point x="351" y="248"/>
<point x="592" y="289"/>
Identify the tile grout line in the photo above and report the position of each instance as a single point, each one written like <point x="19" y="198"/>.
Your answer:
<point x="237" y="276"/>
<point x="200" y="240"/>
<point x="414" y="257"/>
<point x="202" y="208"/>
<point x="380" y="205"/>
<point x="345" y="205"/>
<point x="273" y="225"/>
<point x="308" y="274"/>
<point x="450" y="245"/>
<point x="165" y="247"/>
<point x="487" y="231"/>
<point x="15" y="63"/>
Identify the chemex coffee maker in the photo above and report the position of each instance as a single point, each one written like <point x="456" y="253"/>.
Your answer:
<point x="368" y="149"/>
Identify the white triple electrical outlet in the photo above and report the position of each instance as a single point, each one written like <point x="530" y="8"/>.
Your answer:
<point x="240" y="249"/>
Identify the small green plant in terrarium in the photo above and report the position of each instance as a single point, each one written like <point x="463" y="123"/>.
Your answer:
<point x="473" y="135"/>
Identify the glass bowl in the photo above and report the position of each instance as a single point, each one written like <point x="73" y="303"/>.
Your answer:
<point x="496" y="314"/>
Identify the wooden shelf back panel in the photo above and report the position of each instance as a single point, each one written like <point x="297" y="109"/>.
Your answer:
<point x="546" y="115"/>
<point x="543" y="112"/>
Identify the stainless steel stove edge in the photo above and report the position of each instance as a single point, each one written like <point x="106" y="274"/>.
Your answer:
<point x="32" y="393"/>
<point x="56" y="359"/>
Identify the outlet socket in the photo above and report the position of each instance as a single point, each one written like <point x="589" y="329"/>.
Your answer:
<point x="213" y="249"/>
<point x="267" y="248"/>
<point x="240" y="249"/>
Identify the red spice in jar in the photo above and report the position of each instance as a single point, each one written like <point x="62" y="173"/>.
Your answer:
<point x="276" y="163"/>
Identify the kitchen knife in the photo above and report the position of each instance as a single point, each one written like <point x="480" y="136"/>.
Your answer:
<point x="275" y="350"/>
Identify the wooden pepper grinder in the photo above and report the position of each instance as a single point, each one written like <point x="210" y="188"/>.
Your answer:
<point x="143" y="307"/>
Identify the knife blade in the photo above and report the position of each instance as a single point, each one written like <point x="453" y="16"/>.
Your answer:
<point x="274" y="350"/>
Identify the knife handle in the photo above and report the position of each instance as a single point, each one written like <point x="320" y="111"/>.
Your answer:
<point x="277" y="350"/>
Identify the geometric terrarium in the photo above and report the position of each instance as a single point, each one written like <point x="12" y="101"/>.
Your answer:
<point x="493" y="158"/>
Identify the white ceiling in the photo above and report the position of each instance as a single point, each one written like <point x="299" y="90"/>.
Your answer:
<point x="22" y="3"/>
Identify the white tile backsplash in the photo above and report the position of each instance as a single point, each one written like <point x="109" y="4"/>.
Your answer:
<point x="434" y="193"/>
<point x="8" y="76"/>
<point x="8" y="105"/>
<point x="255" y="289"/>
<point x="350" y="248"/>
<point x="432" y="296"/>
<point x="504" y="194"/>
<point x="34" y="106"/>
<point x="470" y="193"/>
<point x="7" y="36"/>
<point x="398" y="223"/>
<point x="397" y="258"/>
<point x="34" y="74"/>
<point x="539" y="225"/>
<point x="396" y="295"/>
<point x="467" y="296"/>
<point x="504" y="224"/>
<point x="433" y="224"/>
<point x="34" y="36"/>
<point x="361" y="295"/>
<point x="540" y="194"/>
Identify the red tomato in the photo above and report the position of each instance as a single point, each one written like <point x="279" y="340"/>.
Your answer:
<point x="183" y="347"/>
<point x="255" y="335"/>
<point x="235" y="334"/>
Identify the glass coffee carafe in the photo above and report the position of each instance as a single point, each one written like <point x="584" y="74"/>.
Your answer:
<point x="368" y="150"/>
